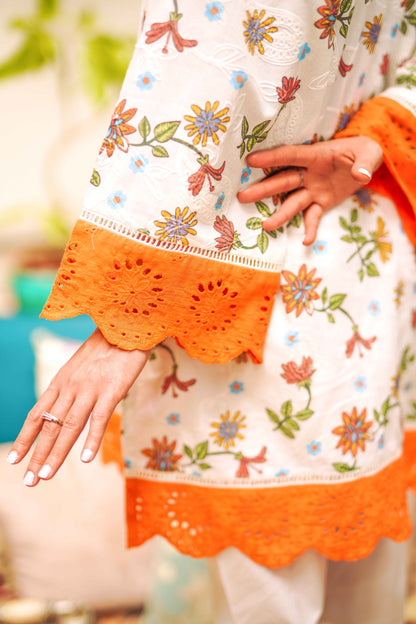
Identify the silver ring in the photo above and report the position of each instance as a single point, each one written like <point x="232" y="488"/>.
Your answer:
<point x="302" y="181"/>
<point x="51" y="418"/>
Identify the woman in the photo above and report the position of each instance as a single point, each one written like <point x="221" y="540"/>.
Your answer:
<point x="270" y="416"/>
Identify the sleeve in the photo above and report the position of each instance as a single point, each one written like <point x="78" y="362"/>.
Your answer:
<point x="157" y="251"/>
<point x="390" y="119"/>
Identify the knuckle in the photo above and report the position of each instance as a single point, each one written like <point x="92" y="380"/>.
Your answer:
<point x="50" y="429"/>
<point x="72" y="423"/>
<point x="33" y="417"/>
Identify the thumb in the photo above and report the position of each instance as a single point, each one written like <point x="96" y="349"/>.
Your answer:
<point x="367" y="162"/>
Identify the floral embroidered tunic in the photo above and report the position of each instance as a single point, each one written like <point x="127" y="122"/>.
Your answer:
<point x="270" y="416"/>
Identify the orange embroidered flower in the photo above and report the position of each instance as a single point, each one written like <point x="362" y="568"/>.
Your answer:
<point x="299" y="292"/>
<point x="207" y="123"/>
<point x="384" y="246"/>
<point x="170" y="29"/>
<point x="118" y="129"/>
<point x="173" y="382"/>
<point x="176" y="227"/>
<point x="242" y="471"/>
<point x="257" y="31"/>
<point x="370" y="36"/>
<point x="298" y="374"/>
<point x="354" y="432"/>
<point x="228" y="429"/>
<point x="162" y="456"/>
<point x="357" y="340"/>
<point x="196" y="180"/>
<point x="229" y="238"/>
<point x="288" y="89"/>
<point x="327" y="23"/>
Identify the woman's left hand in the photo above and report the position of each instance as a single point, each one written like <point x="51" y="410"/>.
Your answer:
<point x="318" y="177"/>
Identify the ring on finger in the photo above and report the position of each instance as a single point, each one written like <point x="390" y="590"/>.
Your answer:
<point x="301" y="181"/>
<point x="51" y="418"/>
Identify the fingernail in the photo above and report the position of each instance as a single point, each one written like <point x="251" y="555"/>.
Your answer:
<point x="87" y="455"/>
<point x="365" y="172"/>
<point x="29" y="478"/>
<point x="12" y="457"/>
<point x="44" y="472"/>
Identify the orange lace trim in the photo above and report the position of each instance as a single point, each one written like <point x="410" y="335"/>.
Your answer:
<point x="138" y="294"/>
<point x="272" y="526"/>
<point x="393" y="127"/>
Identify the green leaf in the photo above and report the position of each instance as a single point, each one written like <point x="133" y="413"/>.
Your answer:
<point x="410" y="4"/>
<point x="47" y="8"/>
<point x="347" y="238"/>
<point x="144" y="127"/>
<point x="95" y="178"/>
<point x="263" y="209"/>
<point x="403" y="27"/>
<point x="165" y="130"/>
<point x="376" y="415"/>
<point x="272" y="233"/>
<point x="343" y="31"/>
<point x="372" y="270"/>
<point x="355" y="229"/>
<point x="412" y="18"/>
<point x="330" y="317"/>
<point x="324" y="295"/>
<point x="354" y="215"/>
<point x="188" y="451"/>
<point x="37" y="50"/>
<point x="262" y="242"/>
<point x="201" y="450"/>
<point x="286" y="409"/>
<point x="244" y="128"/>
<point x="159" y="151"/>
<point x="344" y="224"/>
<point x="251" y="143"/>
<point x="273" y="416"/>
<point x="260" y="128"/>
<point x="368" y="255"/>
<point x="385" y="407"/>
<point x="204" y="466"/>
<point x="336" y="301"/>
<point x="242" y="149"/>
<point x="340" y="467"/>
<point x="296" y="221"/>
<point x="261" y="138"/>
<point x="287" y="432"/>
<point x="361" y="274"/>
<point x="304" y="414"/>
<point x="345" y="6"/>
<point x="292" y="424"/>
<point x="360" y="239"/>
<point x="254" y="223"/>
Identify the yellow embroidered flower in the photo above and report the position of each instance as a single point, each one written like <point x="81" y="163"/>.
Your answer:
<point x="257" y="31"/>
<point x="228" y="429"/>
<point x="176" y="227"/>
<point x="384" y="246"/>
<point x="354" y="432"/>
<point x="399" y="292"/>
<point x="370" y="36"/>
<point x="207" y="123"/>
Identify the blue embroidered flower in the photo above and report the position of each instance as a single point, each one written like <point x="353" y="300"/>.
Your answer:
<point x="213" y="11"/>
<point x="236" y="387"/>
<point x="173" y="419"/>
<point x="145" y="81"/>
<point x="303" y="51"/>
<point x="361" y="80"/>
<point x="238" y="78"/>
<point x="291" y="338"/>
<point x="127" y="463"/>
<point x="314" y="448"/>
<point x="381" y="441"/>
<point x="220" y="201"/>
<point x="245" y="175"/>
<point x="284" y="472"/>
<point x="374" y="308"/>
<point x="360" y="384"/>
<point x="320" y="247"/>
<point x="394" y="30"/>
<point x="138" y="163"/>
<point x="117" y="200"/>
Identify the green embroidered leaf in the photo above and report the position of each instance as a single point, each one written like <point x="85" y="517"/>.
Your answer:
<point x="242" y="149"/>
<point x="204" y="466"/>
<point x="345" y="5"/>
<point x="386" y="406"/>
<point x="324" y="295"/>
<point x="296" y="221"/>
<point x="144" y="127"/>
<point x="159" y="151"/>
<point x="262" y="242"/>
<point x="260" y="128"/>
<point x="95" y="178"/>
<point x="286" y="409"/>
<point x="261" y="138"/>
<point x="343" y="31"/>
<point x="331" y="318"/>
<point x="292" y="424"/>
<point x="360" y="239"/>
<point x="304" y="414"/>
<point x="251" y="143"/>
<point x="254" y="223"/>
<point x="403" y="27"/>
<point x="143" y="231"/>
<point x="376" y="415"/>
<point x="369" y="254"/>
<point x="347" y="238"/>
<point x="372" y="270"/>
<point x="272" y="233"/>
<point x="273" y="416"/>
<point x="165" y="130"/>
<point x="281" y="229"/>
<point x="288" y="432"/>
<point x="412" y="18"/>
<point x="340" y="467"/>
<point x="244" y="128"/>
<point x="201" y="450"/>
<point x="344" y="224"/>
<point x="336" y="301"/>
<point x="355" y="229"/>
<point x="188" y="451"/>
<point x="410" y="4"/>
<point x="263" y="209"/>
<point x="354" y="215"/>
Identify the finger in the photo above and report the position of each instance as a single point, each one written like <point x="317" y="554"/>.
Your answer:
<point x="311" y="219"/>
<point x="98" y="422"/>
<point x="74" y="423"/>
<point x="285" y="156"/>
<point x="276" y="184"/>
<point x="296" y="202"/>
<point x="367" y="163"/>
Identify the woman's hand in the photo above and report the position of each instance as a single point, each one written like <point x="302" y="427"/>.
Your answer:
<point x="318" y="177"/>
<point x="91" y="383"/>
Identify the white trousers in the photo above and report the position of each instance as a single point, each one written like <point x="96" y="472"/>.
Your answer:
<point x="312" y="589"/>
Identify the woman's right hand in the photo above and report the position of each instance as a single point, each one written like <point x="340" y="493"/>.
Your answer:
<point x="90" y="384"/>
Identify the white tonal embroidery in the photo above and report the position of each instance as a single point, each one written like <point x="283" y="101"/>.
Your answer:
<point x="288" y="126"/>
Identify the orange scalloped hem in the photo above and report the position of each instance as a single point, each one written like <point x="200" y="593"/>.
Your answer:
<point x="139" y="294"/>
<point x="272" y="526"/>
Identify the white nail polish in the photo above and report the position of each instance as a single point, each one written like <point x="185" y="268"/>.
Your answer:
<point x="44" y="472"/>
<point x="365" y="172"/>
<point x="12" y="457"/>
<point x="87" y="455"/>
<point x="29" y="478"/>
